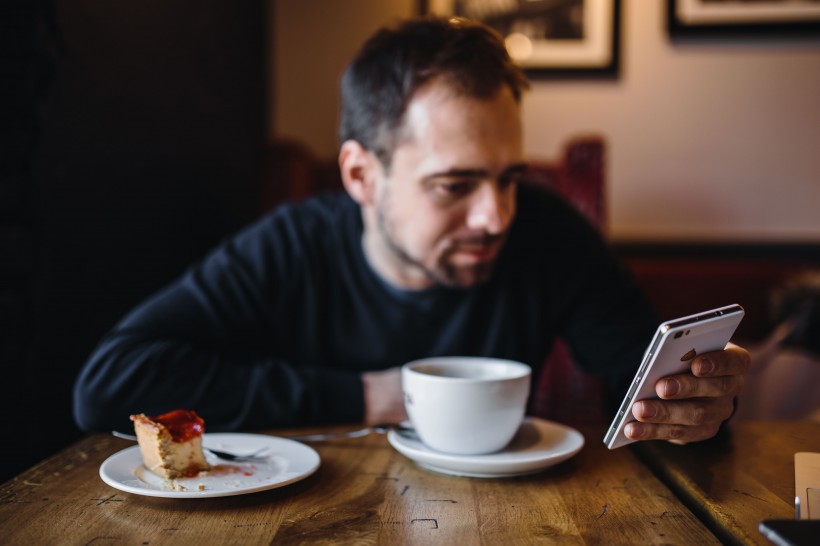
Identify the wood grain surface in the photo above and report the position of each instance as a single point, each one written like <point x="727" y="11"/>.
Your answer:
<point x="364" y="493"/>
<point x="739" y="479"/>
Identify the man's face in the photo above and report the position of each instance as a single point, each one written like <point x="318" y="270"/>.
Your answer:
<point x="441" y="213"/>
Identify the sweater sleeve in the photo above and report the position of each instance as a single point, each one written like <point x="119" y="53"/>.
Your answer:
<point x="610" y="324"/>
<point x="210" y="342"/>
<point x="596" y="304"/>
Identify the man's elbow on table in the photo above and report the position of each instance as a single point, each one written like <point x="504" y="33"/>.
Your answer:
<point x="98" y="398"/>
<point x="93" y="409"/>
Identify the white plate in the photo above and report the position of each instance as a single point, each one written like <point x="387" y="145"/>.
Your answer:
<point x="287" y="461"/>
<point x="538" y="444"/>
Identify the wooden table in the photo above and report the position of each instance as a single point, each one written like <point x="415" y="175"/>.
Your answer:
<point x="364" y="492"/>
<point x="734" y="482"/>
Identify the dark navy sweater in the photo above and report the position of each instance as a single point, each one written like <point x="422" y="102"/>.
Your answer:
<point x="275" y="326"/>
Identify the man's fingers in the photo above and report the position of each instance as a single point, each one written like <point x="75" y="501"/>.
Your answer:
<point x="692" y="405"/>
<point x="677" y="434"/>
<point x="687" y="413"/>
<point x="733" y="360"/>
<point x="677" y="387"/>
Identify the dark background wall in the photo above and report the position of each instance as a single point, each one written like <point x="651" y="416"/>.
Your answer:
<point x="130" y="144"/>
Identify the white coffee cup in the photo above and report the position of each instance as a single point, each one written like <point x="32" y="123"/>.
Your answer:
<point x="466" y="405"/>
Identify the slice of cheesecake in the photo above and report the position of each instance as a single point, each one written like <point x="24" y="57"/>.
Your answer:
<point x="171" y="444"/>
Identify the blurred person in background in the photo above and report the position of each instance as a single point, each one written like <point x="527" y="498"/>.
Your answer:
<point x="784" y="381"/>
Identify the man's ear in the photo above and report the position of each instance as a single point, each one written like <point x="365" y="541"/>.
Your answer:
<point x="358" y="168"/>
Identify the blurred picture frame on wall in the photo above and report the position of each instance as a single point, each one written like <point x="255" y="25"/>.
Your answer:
<point x="743" y="18"/>
<point x="548" y="38"/>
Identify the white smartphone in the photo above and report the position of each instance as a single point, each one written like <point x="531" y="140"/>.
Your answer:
<point x="670" y="352"/>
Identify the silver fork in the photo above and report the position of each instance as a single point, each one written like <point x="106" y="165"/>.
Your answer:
<point x="382" y="428"/>
<point x="254" y="457"/>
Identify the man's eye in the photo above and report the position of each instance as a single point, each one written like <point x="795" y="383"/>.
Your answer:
<point x="510" y="179"/>
<point x="455" y="187"/>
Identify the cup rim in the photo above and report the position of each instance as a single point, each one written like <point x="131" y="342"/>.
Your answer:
<point x="521" y="369"/>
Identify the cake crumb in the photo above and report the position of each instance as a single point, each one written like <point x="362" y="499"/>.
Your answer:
<point x="173" y="485"/>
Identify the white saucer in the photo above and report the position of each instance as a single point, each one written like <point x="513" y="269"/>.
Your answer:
<point x="538" y="444"/>
<point x="287" y="462"/>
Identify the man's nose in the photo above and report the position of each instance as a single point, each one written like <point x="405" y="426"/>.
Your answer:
<point x="491" y="209"/>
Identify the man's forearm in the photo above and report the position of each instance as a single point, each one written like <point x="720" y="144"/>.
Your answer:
<point x="128" y="375"/>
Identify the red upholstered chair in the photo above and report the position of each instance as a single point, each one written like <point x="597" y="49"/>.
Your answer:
<point x="291" y="172"/>
<point x="563" y="392"/>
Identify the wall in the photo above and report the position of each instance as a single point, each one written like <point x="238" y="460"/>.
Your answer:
<point x="711" y="141"/>
<point x="312" y="43"/>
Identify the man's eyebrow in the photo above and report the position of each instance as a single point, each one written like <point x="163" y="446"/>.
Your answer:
<point x="518" y="168"/>
<point x="476" y="173"/>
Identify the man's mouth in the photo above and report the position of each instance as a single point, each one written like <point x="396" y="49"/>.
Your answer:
<point x="478" y="251"/>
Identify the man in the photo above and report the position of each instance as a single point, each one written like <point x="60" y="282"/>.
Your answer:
<point x="436" y="249"/>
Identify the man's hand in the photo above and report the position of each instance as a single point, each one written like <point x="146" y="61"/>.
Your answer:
<point x="383" y="397"/>
<point x="692" y="406"/>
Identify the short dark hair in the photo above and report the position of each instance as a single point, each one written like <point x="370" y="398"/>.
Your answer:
<point x="395" y="62"/>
